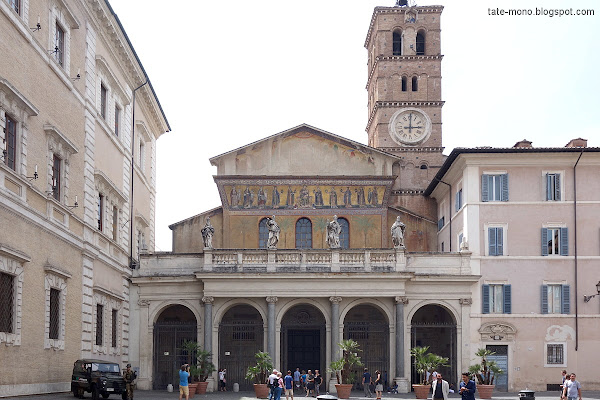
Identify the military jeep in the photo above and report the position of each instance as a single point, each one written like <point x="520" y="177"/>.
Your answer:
<point x="98" y="377"/>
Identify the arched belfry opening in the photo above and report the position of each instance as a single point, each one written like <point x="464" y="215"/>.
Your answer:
<point x="369" y="327"/>
<point x="420" y="43"/>
<point x="303" y="339"/>
<point x="397" y="43"/>
<point x="241" y="335"/>
<point x="175" y="325"/>
<point x="434" y="326"/>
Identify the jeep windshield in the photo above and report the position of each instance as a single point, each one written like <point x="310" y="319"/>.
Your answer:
<point x="105" y="367"/>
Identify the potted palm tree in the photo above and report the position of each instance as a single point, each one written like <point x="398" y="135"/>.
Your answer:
<point x="259" y="373"/>
<point x="192" y="348"/>
<point x="203" y="370"/>
<point x="485" y="372"/>
<point x="425" y="362"/>
<point x="343" y="367"/>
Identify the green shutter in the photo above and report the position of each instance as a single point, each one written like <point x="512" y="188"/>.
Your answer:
<point x="544" y="299"/>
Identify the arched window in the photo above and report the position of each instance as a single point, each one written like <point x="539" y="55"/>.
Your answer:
<point x="397" y="43"/>
<point x="421" y="43"/>
<point x="263" y="234"/>
<point x="415" y="84"/>
<point x="404" y="84"/>
<point x="303" y="234"/>
<point x="345" y="234"/>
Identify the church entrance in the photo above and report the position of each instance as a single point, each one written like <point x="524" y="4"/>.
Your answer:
<point x="303" y="339"/>
<point x="369" y="327"/>
<point x="174" y="326"/>
<point x="434" y="326"/>
<point x="240" y="337"/>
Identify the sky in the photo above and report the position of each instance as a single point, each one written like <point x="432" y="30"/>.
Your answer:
<point x="228" y="73"/>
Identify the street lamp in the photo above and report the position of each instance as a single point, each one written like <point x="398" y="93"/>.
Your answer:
<point x="588" y="298"/>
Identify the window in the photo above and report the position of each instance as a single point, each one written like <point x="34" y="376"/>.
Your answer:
<point x="415" y="83"/>
<point x="15" y="5"/>
<point x="115" y="325"/>
<point x="263" y="234"/>
<point x="7" y="302"/>
<point x="142" y="154"/>
<point x="345" y="233"/>
<point x="458" y="199"/>
<point x="103" y="100"/>
<point x="397" y="43"/>
<point x="460" y="240"/>
<point x="496" y="299"/>
<point x="441" y="223"/>
<point x="54" y="314"/>
<point x="421" y="43"/>
<point x="555" y="354"/>
<point x="59" y="45"/>
<point x="56" y="181"/>
<point x="304" y="234"/>
<point x="555" y="299"/>
<point x="115" y="223"/>
<point x="494" y="187"/>
<point x="117" y="119"/>
<point x="100" y="211"/>
<point x="552" y="187"/>
<point x="11" y="142"/>
<point x="404" y="84"/>
<point x="99" y="324"/>
<point x="495" y="241"/>
<point x="555" y="241"/>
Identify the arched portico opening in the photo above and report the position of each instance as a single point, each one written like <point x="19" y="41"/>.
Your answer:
<point x="240" y="338"/>
<point x="369" y="327"/>
<point x="174" y="325"/>
<point x="303" y="339"/>
<point x="432" y="325"/>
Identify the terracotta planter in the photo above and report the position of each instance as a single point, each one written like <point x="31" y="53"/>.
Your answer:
<point x="343" y="390"/>
<point x="485" y="391"/>
<point x="192" y="388"/>
<point x="261" y="391"/>
<point x="421" y="391"/>
<point x="201" y="389"/>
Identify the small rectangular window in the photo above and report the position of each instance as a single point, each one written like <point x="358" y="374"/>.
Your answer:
<point x="11" y="142"/>
<point x="555" y="241"/>
<point x="53" y="332"/>
<point x="59" y="49"/>
<point x="554" y="354"/>
<point x="556" y="299"/>
<point x="117" y="120"/>
<point x="495" y="241"/>
<point x="142" y="154"/>
<point x="496" y="299"/>
<point x="494" y="187"/>
<point x="15" y="5"/>
<point x="553" y="187"/>
<point x="103" y="100"/>
<point x="7" y="302"/>
<point x="115" y="223"/>
<point x="99" y="324"/>
<point x="56" y="180"/>
<point x="115" y="325"/>
<point x="441" y="223"/>
<point x="100" y="211"/>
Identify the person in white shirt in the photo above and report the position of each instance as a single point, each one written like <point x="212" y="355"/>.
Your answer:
<point x="572" y="389"/>
<point x="440" y="388"/>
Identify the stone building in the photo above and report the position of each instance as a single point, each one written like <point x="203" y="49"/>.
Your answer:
<point x="73" y="156"/>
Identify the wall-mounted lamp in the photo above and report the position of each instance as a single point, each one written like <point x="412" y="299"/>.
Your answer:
<point x="78" y="76"/>
<point x="588" y="298"/>
<point x="37" y="26"/>
<point x="35" y="174"/>
<point x="54" y="51"/>
<point x="74" y="205"/>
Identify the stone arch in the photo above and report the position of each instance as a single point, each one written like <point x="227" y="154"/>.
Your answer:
<point x="373" y="302"/>
<point x="220" y="311"/>
<point x="290" y="304"/>
<point x="162" y="306"/>
<point x="442" y="303"/>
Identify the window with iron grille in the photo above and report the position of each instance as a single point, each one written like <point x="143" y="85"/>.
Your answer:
<point x="115" y="325"/>
<point x="11" y="142"/>
<point x="357" y="332"/>
<point x="100" y="211"/>
<point x="56" y="181"/>
<point x="7" y="301"/>
<point x="99" y="324"/>
<point x="554" y="354"/>
<point x="243" y="333"/>
<point x="53" y="332"/>
<point x="60" y="45"/>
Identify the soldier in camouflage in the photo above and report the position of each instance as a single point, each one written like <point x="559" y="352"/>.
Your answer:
<point x="129" y="376"/>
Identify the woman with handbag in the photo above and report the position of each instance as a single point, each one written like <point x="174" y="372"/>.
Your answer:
<point x="378" y="385"/>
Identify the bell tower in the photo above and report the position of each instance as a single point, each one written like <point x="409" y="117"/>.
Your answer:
<point x="405" y="95"/>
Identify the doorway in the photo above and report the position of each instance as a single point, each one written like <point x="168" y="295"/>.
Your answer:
<point x="304" y="348"/>
<point x="303" y="339"/>
<point x="501" y="359"/>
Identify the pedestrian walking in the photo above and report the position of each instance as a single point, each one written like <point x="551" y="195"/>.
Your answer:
<point x="184" y="375"/>
<point x="441" y="388"/>
<point x="378" y="384"/>
<point x="288" y="383"/>
<point x="572" y="389"/>
<point x="318" y="381"/>
<point x="467" y="387"/>
<point x="297" y="378"/>
<point x="366" y="381"/>
<point x="129" y="376"/>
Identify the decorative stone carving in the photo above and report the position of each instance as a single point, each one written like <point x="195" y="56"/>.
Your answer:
<point x="333" y="233"/>
<point x="335" y="299"/>
<point x="401" y="299"/>
<point x="273" y="233"/>
<point x="207" y="234"/>
<point x="143" y="303"/>
<point x="497" y="331"/>
<point x="397" y="231"/>
<point x="272" y="299"/>
<point x="466" y="301"/>
<point x="208" y="299"/>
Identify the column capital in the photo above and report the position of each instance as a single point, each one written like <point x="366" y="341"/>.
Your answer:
<point x="466" y="301"/>
<point x="401" y="299"/>
<point x="208" y="299"/>
<point x="335" y="299"/>
<point x="272" y="299"/>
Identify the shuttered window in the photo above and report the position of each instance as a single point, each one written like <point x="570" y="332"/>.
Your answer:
<point x="496" y="299"/>
<point x="556" y="299"/>
<point x="555" y="241"/>
<point x="495" y="241"/>
<point x="458" y="200"/>
<point x="552" y="187"/>
<point x="494" y="187"/>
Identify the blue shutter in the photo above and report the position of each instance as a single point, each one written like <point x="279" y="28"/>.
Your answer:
<point x="507" y="308"/>
<point x="456" y="201"/>
<point x="557" y="187"/>
<point x="544" y="241"/>
<point x="484" y="188"/>
<point x="485" y="299"/>
<point x="504" y="183"/>
<point x="566" y="299"/>
<point x="492" y="242"/>
<point x="544" y="299"/>
<point x="564" y="242"/>
<point x="499" y="242"/>
<point x="548" y="187"/>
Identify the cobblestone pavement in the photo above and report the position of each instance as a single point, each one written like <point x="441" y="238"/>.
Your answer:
<point x="162" y="394"/>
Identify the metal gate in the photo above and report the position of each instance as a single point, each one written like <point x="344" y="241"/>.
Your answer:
<point x="168" y="351"/>
<point x="501" y="358"/>
<point x="238" y="342"/>
<point x="441" y="339"/>
<point x="374" y="341"/>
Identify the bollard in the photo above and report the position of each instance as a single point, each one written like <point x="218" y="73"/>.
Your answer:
<point x="170" y="388"/>
<point x="236" y="387"/>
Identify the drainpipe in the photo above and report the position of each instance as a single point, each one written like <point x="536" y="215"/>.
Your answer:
<point x="450" y="211"/>
<point x="575" y="216"/>
<point x="132" y="262"/>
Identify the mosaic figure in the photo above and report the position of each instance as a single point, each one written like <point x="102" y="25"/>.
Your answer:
<point x="333" y="198"/>
<point x="318" y="197"/>
<point x="248" y="198"/>
<point x="347" y="197"/>
<point x="262" y="198"/>
<point x="275" y="197"/>
<point x="234" y="197"/>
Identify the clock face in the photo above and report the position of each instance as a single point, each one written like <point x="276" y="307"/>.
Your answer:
<point x="410" y="126"/>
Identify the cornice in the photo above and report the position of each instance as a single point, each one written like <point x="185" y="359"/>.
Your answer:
<point x="399" y="59"/>
<point x="389" y="104"/>
<point x="415" y="150"/>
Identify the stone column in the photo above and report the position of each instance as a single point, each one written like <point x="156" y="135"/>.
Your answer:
<point x="271" y="300"/>
<point x="335" y="336"/>
<point x="401" y="379"/>
<point x="208" y="323"/>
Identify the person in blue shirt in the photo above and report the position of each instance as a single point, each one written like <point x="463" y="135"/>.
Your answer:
<point x="289" y="385"/>
<point x="184" y="375"/>
<point x="297" y="378"/>
<point x="467" y="387"/>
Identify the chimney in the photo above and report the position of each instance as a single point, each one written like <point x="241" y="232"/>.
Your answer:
<point x="579" y="142"/>
<point x="523" y="143"/>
